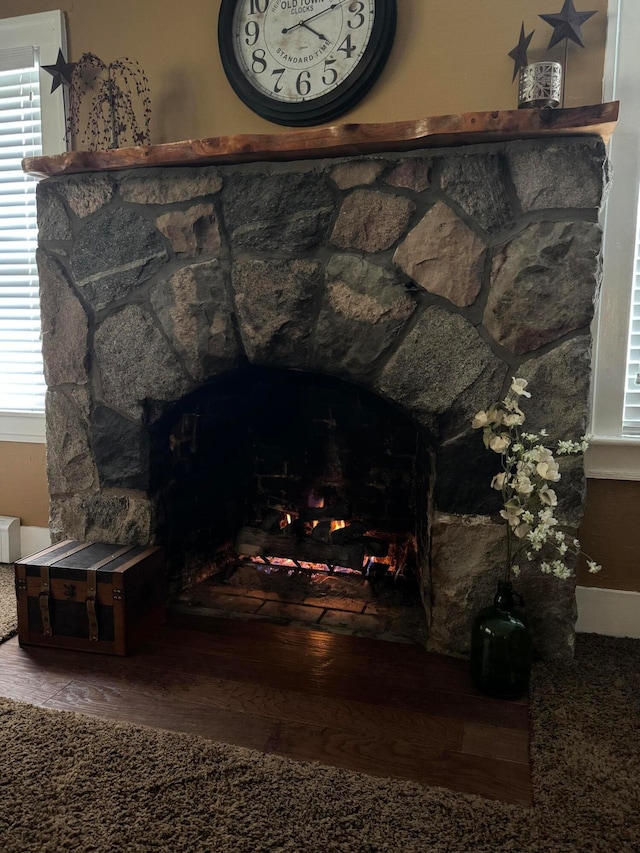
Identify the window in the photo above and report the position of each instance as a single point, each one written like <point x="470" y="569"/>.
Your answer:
<point x="631" y="419"/>
<point x="615" y="451"/>
<point x="31" y="123"/>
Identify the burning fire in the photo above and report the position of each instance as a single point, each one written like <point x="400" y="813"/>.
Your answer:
<point x="302" y="543"/>
<point x="275" y="563"/>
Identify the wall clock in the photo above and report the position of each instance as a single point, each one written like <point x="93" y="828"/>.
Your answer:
<point x="303" y="62"/>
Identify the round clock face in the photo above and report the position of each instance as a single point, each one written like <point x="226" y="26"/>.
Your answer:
<point x="302" y="62"/>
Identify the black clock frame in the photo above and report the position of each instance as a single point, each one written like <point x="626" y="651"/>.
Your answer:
<point x="329" y="106"/>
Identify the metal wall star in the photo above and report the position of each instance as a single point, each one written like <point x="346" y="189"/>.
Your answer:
<point x="566" y="24"/>
<point x="61" y="71"/>
<point x="519" y="52"/>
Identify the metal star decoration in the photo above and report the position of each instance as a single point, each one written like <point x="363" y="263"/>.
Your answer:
<point x="61" y="71"/>
<point x="566" y="24"/>
<point x="519" y="52"/>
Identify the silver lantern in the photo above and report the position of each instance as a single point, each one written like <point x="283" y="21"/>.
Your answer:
<point x="540" y="85"/>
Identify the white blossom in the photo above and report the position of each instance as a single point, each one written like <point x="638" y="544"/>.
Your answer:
<point x="498" y="481"/>
<point x="513" y="419"/>
<point x="499" y="443"/>
<point x="594" y="568"/>
<point x="548" y="470"/>
<point x="518" y="386"/>
<point x="539" y="453"/>
<point x="560" y="570"/>
<point x="568" y="447"/>
<point x="546" y="519"/>
<point x="523" y="486"/>
<point x="528" y="471"/>
<point x="510" y="514"/>
<point x="481" y="419"/>
<point x="548" y="496"/>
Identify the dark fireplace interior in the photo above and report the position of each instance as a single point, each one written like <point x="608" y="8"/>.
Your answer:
<point x="292" y="468"/>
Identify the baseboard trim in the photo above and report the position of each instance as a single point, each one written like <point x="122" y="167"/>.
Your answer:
<point x="33" y="539"/>
<point x="613" y="612"/>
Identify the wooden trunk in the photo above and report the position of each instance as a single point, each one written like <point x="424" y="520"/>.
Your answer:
<point x="94" y="596"/>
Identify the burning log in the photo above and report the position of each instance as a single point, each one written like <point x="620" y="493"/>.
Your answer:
<point x="271" y="523"/>
<point x="322" y="531"/>
<point x="375" y="547"/>
<point x="319" y="513"/>
<point x="351" y="533"/>
<point x="294" y="528"/>
<point x="253" y="542"/>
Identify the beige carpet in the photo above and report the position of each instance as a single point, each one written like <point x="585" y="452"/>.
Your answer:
<point x="73" y="783"/>
<point x="8" y="615"/>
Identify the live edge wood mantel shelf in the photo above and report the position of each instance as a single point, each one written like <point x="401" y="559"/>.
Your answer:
<point x="341" y="140"/>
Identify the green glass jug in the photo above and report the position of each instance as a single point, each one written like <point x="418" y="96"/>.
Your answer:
<point x="501" y="646"/>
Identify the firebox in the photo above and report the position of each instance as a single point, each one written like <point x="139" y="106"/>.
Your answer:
<point x="293" y="469"/>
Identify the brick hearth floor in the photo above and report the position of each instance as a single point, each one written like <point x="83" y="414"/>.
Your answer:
<point x="364" y="616"/>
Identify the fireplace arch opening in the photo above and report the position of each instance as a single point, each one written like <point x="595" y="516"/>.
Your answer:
<point x="290" y="468"/>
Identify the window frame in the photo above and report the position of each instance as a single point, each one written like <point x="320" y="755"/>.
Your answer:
<point x="613" y="454"/>
<point x="46" y="31"/>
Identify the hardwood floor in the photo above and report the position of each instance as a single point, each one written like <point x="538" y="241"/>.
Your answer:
<point x="386" y="709"/>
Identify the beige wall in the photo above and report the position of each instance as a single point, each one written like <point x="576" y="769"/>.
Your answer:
<point x="23" y="483"/>
<point x="608" y="534"/>
<point x="449" y="56"/>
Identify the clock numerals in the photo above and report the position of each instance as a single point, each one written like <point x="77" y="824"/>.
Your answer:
<point x="278" y="72"/>
<point x="303" y="86"/>
<point x="252" y="31"/>
<point x="329" y="70"/>
<point x="259" y="64"/>
<point x="356" y="8"/>
<point x="281" y="55"/>
<point x="348" y="47"/>
<point x="301" y="62"/>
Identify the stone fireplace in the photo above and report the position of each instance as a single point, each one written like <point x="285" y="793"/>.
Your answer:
<point x="217" y="334"/>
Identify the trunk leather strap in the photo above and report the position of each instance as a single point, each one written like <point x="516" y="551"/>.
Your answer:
<point x="92" y="590"/>
<point x="45" y="589"/>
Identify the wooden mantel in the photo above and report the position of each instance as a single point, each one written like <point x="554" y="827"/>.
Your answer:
<point x="340" y="140"/>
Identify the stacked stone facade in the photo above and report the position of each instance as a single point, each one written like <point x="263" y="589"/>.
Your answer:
<point x="429" y="278"/>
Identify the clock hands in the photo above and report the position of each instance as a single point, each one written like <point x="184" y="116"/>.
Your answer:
<point x="315" y="32"/>
<point x="311" y="17"/>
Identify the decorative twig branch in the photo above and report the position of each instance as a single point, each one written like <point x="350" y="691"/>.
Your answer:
<point x="112" y="101"/>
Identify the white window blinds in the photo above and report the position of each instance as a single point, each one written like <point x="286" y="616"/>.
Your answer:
<point x="22" y="385"/>
<point x="631" y="421"/>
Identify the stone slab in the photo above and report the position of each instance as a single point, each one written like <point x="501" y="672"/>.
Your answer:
<point x="443" y="256"/>
<point x="371" y="221"/>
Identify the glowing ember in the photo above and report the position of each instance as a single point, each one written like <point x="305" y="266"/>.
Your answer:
<point x="277" y="563"/>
